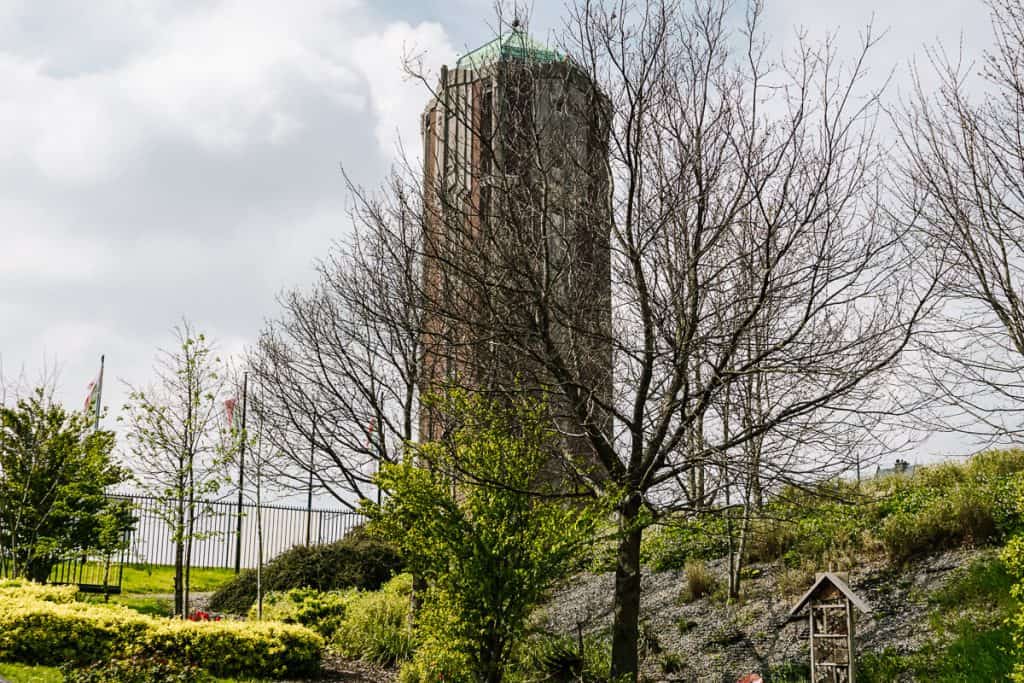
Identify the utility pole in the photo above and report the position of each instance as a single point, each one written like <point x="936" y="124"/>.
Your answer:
<point x="241" y="477"/>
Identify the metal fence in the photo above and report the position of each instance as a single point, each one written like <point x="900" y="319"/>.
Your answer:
<point x="91" y="573"/>
<point x="215" y="537"/>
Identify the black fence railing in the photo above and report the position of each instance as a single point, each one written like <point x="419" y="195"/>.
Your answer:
<point x="215" y="536"/>
<point x="215" y="539"/>
<point x="91" y="573"/>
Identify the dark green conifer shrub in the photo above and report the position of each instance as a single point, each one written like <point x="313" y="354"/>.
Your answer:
<point x="360" y="560"/>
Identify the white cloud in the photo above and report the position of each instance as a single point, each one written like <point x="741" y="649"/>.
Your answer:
<point x="396" y="98"/>
<point x="221" y="77"/>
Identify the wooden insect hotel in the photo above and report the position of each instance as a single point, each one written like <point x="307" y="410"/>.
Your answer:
<point x="833" y="634"/>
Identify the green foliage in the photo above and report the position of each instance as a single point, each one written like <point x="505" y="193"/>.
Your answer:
<point x="937" y="507"/>
<point x="986" y="582"/>
<point x="790" y="672"/>
<point x="376" y="625"/>
<point x="701" y="537"/>
<point x="54" y="470"/>
<point x="961" y="515"/>
<point x="882" y="667"/>
<point x="969" y="637"/>
<point x="136" y="670"/>
<point x="492" y="547"/>
<point x="360" y="560"/>
<point x="36" y="631"/>
<point x="321" y="611"/>
<point x="969" y="653"/>
<point x="1013" y="557"/>
<point x="559" y="659"/>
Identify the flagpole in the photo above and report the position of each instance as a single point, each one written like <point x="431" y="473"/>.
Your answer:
<point x="241" y="477"/>
<point x="99" y="393"/>
<point x="309" y="490"/>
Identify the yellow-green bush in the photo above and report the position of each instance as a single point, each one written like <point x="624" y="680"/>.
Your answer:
<point x="17" y="588"/>
<point x="322" y="611"/>
<point x="440" y="656"/>
<point x="235" y="648"/>
<point x="38" y="631"/>
<point x="376" y="625"/>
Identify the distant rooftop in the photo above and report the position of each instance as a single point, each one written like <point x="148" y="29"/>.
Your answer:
<point x="513" y="44"/>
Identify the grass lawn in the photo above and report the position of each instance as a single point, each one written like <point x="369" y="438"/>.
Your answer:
<point x="159" y="578"/>
<point x="146" y="604"/>
<point x="146" y="587"/>
<point x="142" y="578"/>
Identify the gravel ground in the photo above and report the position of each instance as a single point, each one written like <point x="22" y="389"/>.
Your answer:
<point x="717" y="643"/>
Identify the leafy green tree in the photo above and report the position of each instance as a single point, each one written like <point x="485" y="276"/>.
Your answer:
<point x="175" y="434"/>
<point x="478" y="519"/>
<point x="54" y="469"/>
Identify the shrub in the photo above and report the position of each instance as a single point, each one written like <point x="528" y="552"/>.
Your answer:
<point x="376" y="625"/>
<point x="770" y="539"/>
<point x="558" y="659"/>
<point x="136" y="670"/>
<point x="985" y="582"/>
<point x="673" y="663"/>
<point x="789" y="672"/>
<point x="321" y="611"/>
<point x="40" y="632"/>
<point x="233" y="648"/>
<point x="793" y="581"/>
<point x="360" y="560"/>
<point x="702" y="537"/>
<point x="700" y="582"/>
<point x="490" y="547"/>
<point x="15" y="588"/>
<point x="962" y="515"/>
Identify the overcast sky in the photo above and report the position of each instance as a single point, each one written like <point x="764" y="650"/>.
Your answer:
<point x="169" y="158"/>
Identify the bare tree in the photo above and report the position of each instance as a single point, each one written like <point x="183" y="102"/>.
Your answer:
<point x="964" y="174"/>
<point x="339" y="369"/>
<point x="174" y="435"/>
<point x="683" y="155"/>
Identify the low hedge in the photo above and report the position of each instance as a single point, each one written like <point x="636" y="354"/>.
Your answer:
<point x="360" y="560"/>
<point x="136" y="670"/>
<point x="36" y="631"/>
<point x="16" y="588"/>
<point x="321" y="611"/>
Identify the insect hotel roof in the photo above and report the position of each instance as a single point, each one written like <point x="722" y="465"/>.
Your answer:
<point x="829" y="586"/>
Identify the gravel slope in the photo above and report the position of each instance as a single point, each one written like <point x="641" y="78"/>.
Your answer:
<point x="718" y="643"/>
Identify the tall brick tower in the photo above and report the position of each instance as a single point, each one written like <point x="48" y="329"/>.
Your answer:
<point x="517" y="205"/>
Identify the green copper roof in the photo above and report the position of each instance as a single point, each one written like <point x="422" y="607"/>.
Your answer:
<point x="514" y="44"/>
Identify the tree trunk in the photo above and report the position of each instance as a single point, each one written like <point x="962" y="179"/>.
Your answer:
<point x="625" y="627"/>
<point x="179" y="560"/>
<point x="736" y="560"/>
<point x="188" y="550"/>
